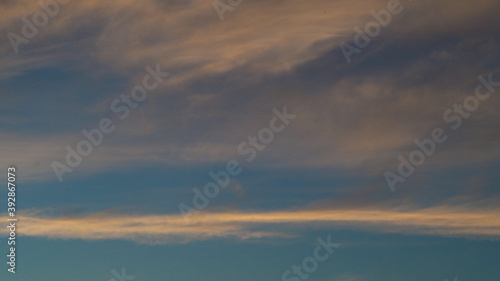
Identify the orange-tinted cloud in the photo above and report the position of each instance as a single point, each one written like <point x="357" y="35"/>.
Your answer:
<point x="440" y="221"/>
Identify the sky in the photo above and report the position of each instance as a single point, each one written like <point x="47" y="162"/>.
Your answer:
<point x="250" y="140"/>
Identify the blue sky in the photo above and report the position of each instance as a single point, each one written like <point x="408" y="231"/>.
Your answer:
<point x="329" y="126"/>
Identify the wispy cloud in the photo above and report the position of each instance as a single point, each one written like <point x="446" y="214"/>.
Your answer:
<point x="356" y="120"/>
<point x="158" y="229"/>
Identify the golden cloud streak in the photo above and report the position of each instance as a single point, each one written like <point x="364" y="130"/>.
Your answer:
<point x="442" y="221"/>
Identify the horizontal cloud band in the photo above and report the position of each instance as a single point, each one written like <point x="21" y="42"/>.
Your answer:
<point x="162" y="229"/>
